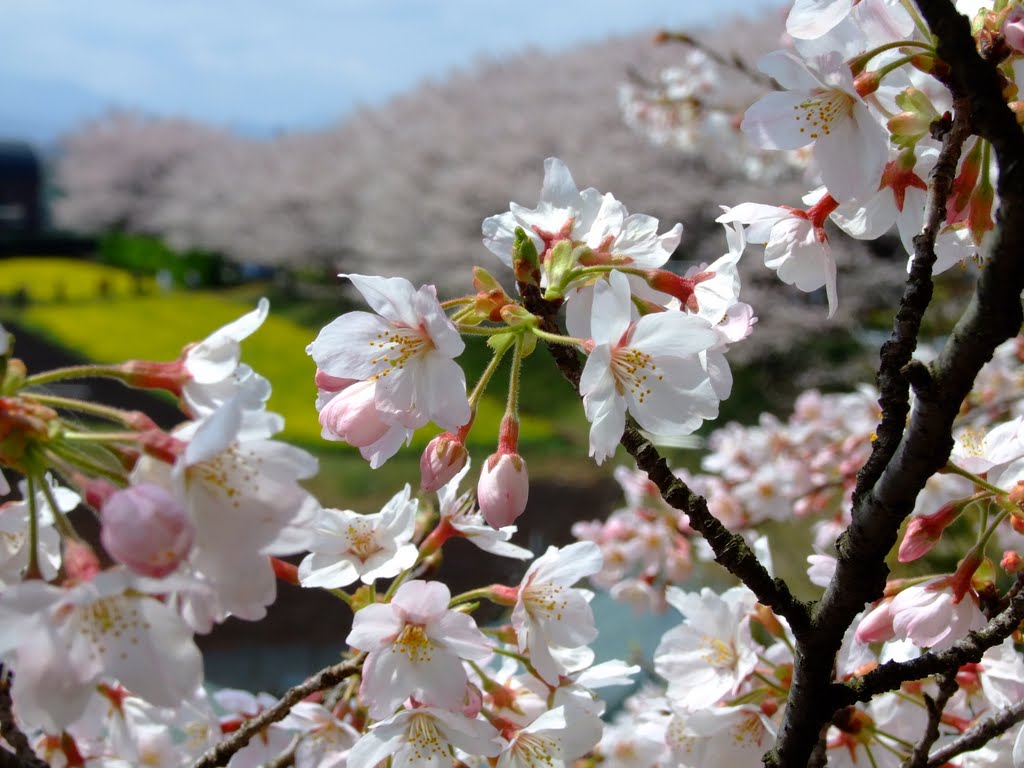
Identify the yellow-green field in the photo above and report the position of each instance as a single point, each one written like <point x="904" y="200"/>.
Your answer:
<point x="65" y="305"/>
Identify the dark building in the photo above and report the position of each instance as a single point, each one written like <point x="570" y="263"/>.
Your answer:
<point x="21" y="189"/>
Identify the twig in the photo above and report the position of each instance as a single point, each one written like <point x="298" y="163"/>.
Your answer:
<point x="978" y="735"/>
<point x="325" y="678"/>
<point x="731" y="551"/>
<point x="891" y="675"/>
<point x="947" y="687"/>
<point x="731" y="62"/>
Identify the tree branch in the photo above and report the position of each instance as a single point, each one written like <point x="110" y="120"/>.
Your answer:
<point x="993" y="316"/>
<point x="325" y="678"/>
<point x="978" y="735"/>
<point x="731" y="551"/>
<point x="947" y="687"/>
<point x="891" y="675"/>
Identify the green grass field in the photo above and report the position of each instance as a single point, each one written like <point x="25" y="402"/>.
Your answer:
<point x="117" y="322"/>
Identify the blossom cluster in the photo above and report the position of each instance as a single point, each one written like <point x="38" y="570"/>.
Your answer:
<point x="195" y="520"/>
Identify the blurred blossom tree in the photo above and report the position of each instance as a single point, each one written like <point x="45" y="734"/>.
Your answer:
<point x="904" y="667"/>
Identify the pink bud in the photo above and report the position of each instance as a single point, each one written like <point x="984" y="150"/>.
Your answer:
<point x="924" y="531"/>
<point x="442" y="459"/>
<point x="1011" y="562"/>
<point x="147" y="529"/>
<point x="503" y="489"/>
<point x="330" y="383"/>
<point x="876" y="626"/>
<point x="1013" y="29"/>
<point x="352" y="416"/>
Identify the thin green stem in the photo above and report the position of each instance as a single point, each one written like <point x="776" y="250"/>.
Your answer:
<point x="81" y="406"/>
<point x="473" y="594"/>
<point x="514" y="379"/>
<point x="911" y="9"/>
<point x="32" y="570"/>
<point x="555" y="338"/>
<point x="485" y="378"/>
<point x="60" y="520"/>
<point x="480" y="330"/>
<point x="953" y="469"/>
<point x="88" y="371"/>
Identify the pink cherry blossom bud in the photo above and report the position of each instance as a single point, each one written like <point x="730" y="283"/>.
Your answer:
<point x="352" y="415"/>
<point x="924" y="531"/>
<point x="79" y="561"/>
<point x="330" y="383"/>
<point x="442" y="459"/>
<point x="503" y="489"/>
<point x="876" y="626"/>
<point x="1013" y="29"/>
<point x="1011" y="562"/>
<point x="146" y="374"/>
<point x="473" y="702"/>
<point x="147" y="528"/>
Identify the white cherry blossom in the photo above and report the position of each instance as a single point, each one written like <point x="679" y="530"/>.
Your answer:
<point x="549" y="613"/>
<point x="821" y="106"/>
<point x="408" y="348"/>
<point x="712" y="651"/>
<point x="649" y="366"/>
<point x="424" y="737"/>
<point x="350" y="546"/>
<point x="415" y="645"/>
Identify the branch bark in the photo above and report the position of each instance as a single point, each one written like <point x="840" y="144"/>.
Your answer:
<point x="326" y="678"/>
<point x="731" y="551"/>
<point x="890" y="485"/>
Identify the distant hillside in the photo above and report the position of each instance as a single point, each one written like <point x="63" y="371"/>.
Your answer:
<point x="403" y="188"/>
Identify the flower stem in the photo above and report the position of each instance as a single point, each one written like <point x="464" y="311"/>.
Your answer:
<point x="88" y="371"/>
<point x="555" y="338"/>
<point x="82" y="406"/>
<point x="32" y="570"/>
<point x="485" y="378"/>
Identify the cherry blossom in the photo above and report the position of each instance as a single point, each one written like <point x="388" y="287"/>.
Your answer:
<point x="549" y="615"/>
<point x="350" y="546"/>
<point x="63" y="641"/>
<point x="425" y="736"/>
<point x="711" y="652"/>
<point x="414" y="646"/>
<point x="648" y="366"/>
<point x="821" y="105"/>
<point x="407" y="348"/>
<point x="796" y="245"/>
<point x="581" y="218"/>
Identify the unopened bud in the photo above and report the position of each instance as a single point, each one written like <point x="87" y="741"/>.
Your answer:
<point x="147" y="528"/>
<point x="329" y="383"/>
<point x="1011" y="562"/>
<point x="79" y="561"/>
<point x="876" y="626"/>
<point x="503" y="489"/>
<point x="352" y="416"/>
<point x="442" y="460"/>
<point x="924" y="531"/>
<point x="525" y="260"/>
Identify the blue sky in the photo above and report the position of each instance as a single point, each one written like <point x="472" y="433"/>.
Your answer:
<point x="262" y="65"/>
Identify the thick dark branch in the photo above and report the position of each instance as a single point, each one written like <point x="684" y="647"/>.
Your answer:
<point x="993" y="316"/>
<point x="860" y="569"/>
<point x="731" y="551"/>
<point x="979" y="735"/>
<point x="325" y="678"/>
<point x="891" y="675"/>
<point x="895" y="358"/>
